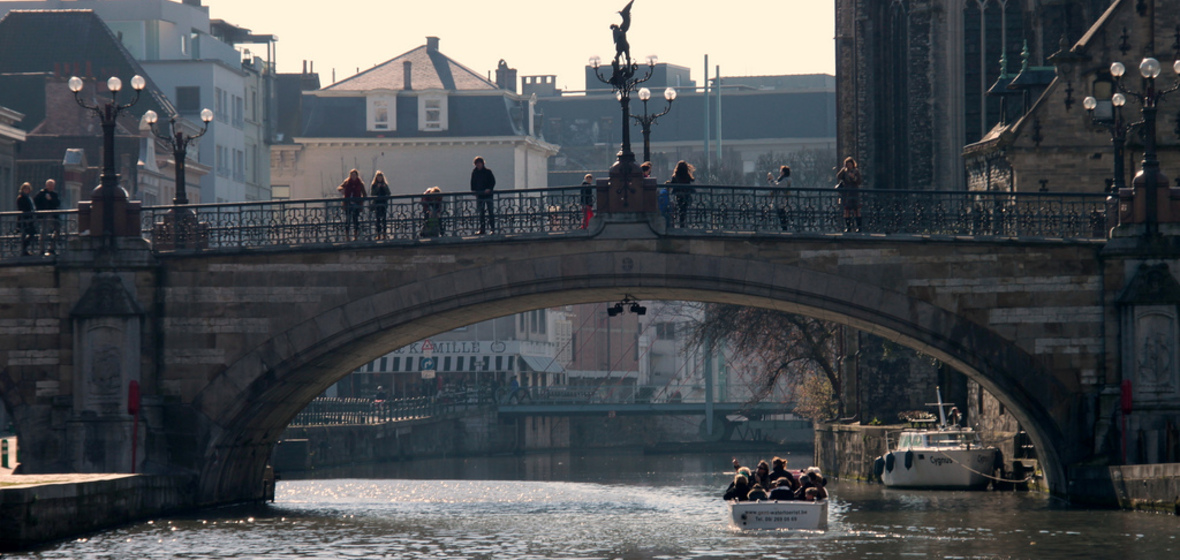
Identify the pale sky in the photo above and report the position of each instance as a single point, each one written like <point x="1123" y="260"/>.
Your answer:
<point x="744" y="37"/>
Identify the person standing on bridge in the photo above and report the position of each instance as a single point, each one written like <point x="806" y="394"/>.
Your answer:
<point x="780" y="198"/>
<point x="848" y="184"/>
<point x="26" y="224"/>
<point x="48" y="201"/>
<point x="587" y="200"/>
<point x="379" y="190"/>
<point x="353" y="189"/>
<point x="483" y="183"/>
<point x="682" y="175"/>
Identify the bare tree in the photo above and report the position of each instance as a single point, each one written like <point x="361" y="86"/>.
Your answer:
<point x="794" y="350"/>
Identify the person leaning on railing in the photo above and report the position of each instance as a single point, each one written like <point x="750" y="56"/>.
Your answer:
<point x="353" y="189"/>
<point x="26" y="224"/>
<point x="682" y="175"/>
<point x="47" y="201"/>
<point x="432" y="202"/>
<point x="848" y="183"/>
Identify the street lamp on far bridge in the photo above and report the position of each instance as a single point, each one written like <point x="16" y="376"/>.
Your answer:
<point x="179" y="142"/>
<point x="1149" y="100"/>
<point x="647" y="119"/>
<point x="1118" y="128"/>
<point x="108" y="114"/>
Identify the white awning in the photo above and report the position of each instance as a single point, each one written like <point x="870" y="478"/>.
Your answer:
<point x="547" y="365"/>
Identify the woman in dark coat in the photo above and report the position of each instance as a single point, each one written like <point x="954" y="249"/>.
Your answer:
<point x="353" y="189"/>
<point x="848" y="183"/>
<point x="26" y="224"/>
<point x="739" y="489"/>
<point x="682" y="175"/>
<point x="379" y="190"/>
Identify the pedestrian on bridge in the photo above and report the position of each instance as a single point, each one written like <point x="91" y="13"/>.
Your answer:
<point x="379" y="191"/>
<point x="682" y="175"/>
<point x="48" y="201"/>
<point x="780" y="198"/>
<point x="26" y="224"/>
<point x="432" y="203"/>
<point x="353" y="189"/>
<point x="483" y="183"/>
<point x="587" y="200"/>
<point x="848" y="184"/>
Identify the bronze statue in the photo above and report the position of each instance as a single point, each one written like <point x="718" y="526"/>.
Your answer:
<point x="622" y="48"/>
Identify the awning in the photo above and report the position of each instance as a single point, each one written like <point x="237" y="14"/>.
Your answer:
<point x="547" y="365"/>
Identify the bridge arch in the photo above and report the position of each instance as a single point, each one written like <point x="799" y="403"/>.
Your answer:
<point x="248" y="404"/>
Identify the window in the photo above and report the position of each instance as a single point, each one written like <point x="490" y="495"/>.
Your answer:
<point x="188" y="99"/>
<point x="222" y="162"/>
<point x="239" y="111"/>
<point x="283" y="192"/>
<point x="221" y="103"/>
<point x="382" y="113"/>
<point x="665" y="331"/>
<point x="239" y="165"/>
<point x="432" y="113"/>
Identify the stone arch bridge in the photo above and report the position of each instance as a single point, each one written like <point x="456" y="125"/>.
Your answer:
<point x="228" y="344"/>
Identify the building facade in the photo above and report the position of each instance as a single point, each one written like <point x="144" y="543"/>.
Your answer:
<point x="421" y="118"/>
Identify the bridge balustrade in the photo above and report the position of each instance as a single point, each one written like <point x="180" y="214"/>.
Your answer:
<point x="330" y="411"/>
<point x="708" y="210"/>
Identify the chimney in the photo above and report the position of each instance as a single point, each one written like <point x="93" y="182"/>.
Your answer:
<point x="193" y="2"/>
<point x="407" y="75"/>
<point x="432" y="44"/>
<point x="505" y="77"/>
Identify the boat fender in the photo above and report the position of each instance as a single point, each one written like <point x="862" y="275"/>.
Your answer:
<point x="879" y="466"/>
<point x="909" y="459"/>
<point x="890" y="460"/>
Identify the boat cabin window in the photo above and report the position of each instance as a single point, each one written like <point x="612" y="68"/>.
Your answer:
<point x="949" y="440"/>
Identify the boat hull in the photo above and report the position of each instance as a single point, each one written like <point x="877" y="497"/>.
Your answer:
<point x="812" y="516"/>
<point x="939" y="469"/>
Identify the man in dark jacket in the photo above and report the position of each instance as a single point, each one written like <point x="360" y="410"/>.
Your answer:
<point x="47" y="200"/>
<point x="483" y="182"/>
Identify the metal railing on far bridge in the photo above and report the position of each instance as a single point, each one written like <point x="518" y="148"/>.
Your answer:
<point x="695" y="210"/>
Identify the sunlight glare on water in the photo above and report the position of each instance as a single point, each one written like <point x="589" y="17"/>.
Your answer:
<point x="602" y="507"/>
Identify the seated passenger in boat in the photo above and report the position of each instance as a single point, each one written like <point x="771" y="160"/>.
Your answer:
<point x="738" y="489"/>
<point x="783" y="489"/>
<point x="811" y="485"/>
<point x="780" y="471"/>
<point x="761" y="475"/>
<point x="756" y="493"/>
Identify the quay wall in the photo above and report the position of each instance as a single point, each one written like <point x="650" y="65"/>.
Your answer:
<point x="1148" y="487"/>
<point x="34" y="514"/>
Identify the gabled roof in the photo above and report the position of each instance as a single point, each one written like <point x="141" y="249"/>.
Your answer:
<point x="429" y="69"/>
<point x="35" y="44"/>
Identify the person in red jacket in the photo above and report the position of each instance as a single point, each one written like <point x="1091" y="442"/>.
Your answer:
<point x="353" y="189"/>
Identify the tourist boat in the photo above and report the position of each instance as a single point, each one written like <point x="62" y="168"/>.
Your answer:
<point x="775" y="514"/>
<point x="945" y="457"/>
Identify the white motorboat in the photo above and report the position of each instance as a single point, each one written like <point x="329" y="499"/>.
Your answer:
<point x="775" y="514"/>
<point x="946" y="457"/>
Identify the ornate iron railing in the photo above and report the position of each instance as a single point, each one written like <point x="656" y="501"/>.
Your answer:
<point x="44" y="234"/>
<point x="320" y="221"/>
<point x="819" y="211"/>
<point x="704" y="209"/>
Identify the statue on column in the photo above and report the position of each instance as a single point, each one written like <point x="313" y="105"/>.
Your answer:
<point x="622" y="48"/>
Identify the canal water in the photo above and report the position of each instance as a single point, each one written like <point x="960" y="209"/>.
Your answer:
<point x="607" y="505"/>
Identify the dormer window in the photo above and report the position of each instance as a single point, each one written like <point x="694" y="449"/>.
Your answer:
<point x="381" y="113"/>
<point x="432" y="112"/>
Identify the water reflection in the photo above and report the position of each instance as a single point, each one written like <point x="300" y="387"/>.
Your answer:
<point x="630" y="506"/>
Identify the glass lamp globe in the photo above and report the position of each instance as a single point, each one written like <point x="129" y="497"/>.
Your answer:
<point x="595" y="61"/>
<point x="206" y="115"/>
<point x="670" y="95"/>
<point x="137" y="82"/>
<point x="1090" y="103"/>
<point x="1149" y="68"/>
<point x="644" y="94"/>
<point x="1176" y="67"/>
<point x="115" y="84"/>
<point x="150" y="117"/>
<point x="75" y="84"/>
<point x="1118" y="100"/>
<point x="1117" y="69"/>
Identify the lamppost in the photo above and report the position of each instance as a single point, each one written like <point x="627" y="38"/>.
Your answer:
<point x="623" y="81"/>
<point x="646" y="119"/>
<point x="179" y="142"/>
<point x="1118" y="128"/>
<point x="1149" y="99"/>
<point x="108" y="114"/>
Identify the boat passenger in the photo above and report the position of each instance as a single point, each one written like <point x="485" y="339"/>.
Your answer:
<point x="756" y="493"/>
<point x="812" y="485"/>
<point x="780" y="471"/>
<point x="738" y="489"/>
<point x="783" y="490"/>
<point x="761" y="474"/>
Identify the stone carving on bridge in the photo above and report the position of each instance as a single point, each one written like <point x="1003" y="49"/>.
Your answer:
<point x="1151" y="322"/>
